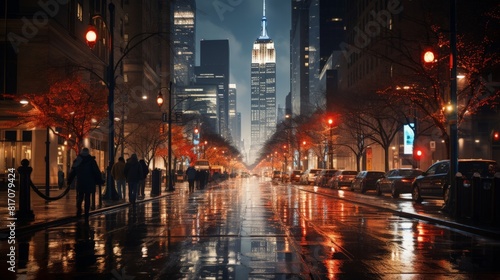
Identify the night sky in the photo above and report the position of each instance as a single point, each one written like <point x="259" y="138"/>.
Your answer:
<point x="239" y="21"/>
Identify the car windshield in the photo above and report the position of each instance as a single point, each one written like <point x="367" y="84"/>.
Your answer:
<point x="374" y="174"/>
<point x="410" y="173"/>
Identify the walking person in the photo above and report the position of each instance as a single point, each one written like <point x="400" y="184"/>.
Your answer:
<point x="118" y="173"/>
<point x="203" y="178"/>
<point x="133" y="174"/>
<point x="142" y="182"/>
<point x="191" y="176"/>
<point x="60" y="178"/>
<point x="88" y="175"/>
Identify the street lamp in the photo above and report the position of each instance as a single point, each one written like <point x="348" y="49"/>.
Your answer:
<point x="330" y="145"/>
<point x="159" y="101"/>
<point x="91" y="38"/>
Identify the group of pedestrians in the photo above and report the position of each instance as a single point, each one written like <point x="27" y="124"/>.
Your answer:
<point x="196" y="177"/>
<point x="88" y="175"/>
<point x="134" y="172"/>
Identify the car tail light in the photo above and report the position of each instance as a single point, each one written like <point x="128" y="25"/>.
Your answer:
<point x="406" y="180"/>
<point x="340" y="177"/>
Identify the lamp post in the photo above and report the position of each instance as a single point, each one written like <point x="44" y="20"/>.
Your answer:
<point x="330" y="145"/>
<point x="91" y="37"/>
<point x="453" y="114"/>
<point x="159" y="100"/>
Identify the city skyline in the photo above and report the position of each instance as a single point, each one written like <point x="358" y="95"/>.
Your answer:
<point x="240" y="23"/>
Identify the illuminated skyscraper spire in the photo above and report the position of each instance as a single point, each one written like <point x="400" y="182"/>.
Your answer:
<point x="263" y="35"/>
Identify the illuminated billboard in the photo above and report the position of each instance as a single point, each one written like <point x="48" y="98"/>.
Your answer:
<point x="409" y="137"/>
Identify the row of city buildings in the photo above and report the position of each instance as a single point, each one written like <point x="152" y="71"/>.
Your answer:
<point x="337" y="48"/>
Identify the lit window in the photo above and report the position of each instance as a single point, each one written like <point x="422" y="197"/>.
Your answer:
<point x="79" y="12"/>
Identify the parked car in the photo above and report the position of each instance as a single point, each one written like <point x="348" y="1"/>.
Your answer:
<point x="342" y="178"/>
<point x="309" y="176"/>
<point x="276" y="175"/>
<point x="435" y="181"/>
<point x="366" y="180"/>
<point x="295" y="176"/>
<point x="397" y="181"/>
<point x="323" y="177"/>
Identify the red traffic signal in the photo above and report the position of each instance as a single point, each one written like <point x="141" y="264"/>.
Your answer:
<point x="495" y="138"/>
<point x="417" y="154"/>
<point x="91" y="36"/>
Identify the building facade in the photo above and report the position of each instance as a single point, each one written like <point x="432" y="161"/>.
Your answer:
<point x="263" y="89"/>
<point x="184" y="41"/>
<point x="54" y="47"/>
<point x="214" y="70"/>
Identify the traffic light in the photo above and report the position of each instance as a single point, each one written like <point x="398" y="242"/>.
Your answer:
<point x="495" y="138"/>
<point x="91" y="36"/>
<point x="417" y="154"/>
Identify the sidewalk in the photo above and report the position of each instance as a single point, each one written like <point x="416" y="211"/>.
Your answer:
<point x="61" y="211"/>
<point x="50" y="213"/>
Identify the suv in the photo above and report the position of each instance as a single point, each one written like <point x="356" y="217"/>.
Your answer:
<point x="342" y="178"/>
<point x="309" y="176"/>
<point x="434" y="182"/>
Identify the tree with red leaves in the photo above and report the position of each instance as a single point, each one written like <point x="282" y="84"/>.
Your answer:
<point x="73" y="105"/>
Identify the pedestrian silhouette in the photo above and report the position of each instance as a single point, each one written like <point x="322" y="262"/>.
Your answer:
<point x="60" y="178"/>
<point x="191" y="176"/>
<point x="142" y="182"/>
<point x="133" y="173"/>
<point x="88" y="175"/>
<point x="118" y="174"/>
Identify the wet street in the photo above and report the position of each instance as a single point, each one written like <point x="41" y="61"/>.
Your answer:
<point x="251" y="229"/>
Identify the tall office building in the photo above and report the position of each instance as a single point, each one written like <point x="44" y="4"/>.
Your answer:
<point x="263" y="89"/>
<point x="317" y="31"/>
<point x="183" y="41"/>
<point x="214" y="70"/>
<point x="234" y="124"/>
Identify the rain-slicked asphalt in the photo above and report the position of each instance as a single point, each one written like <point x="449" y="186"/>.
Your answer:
<point x="251" y="229"/>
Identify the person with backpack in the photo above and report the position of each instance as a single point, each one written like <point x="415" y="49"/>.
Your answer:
<point x="133" y="173"/>
<point x="88" y="175"/>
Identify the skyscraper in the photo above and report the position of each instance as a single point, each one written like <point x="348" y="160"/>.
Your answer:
<point x="214" y="70"/>
<point x="183" y="38"/>
<point x="263" y="89"/>
<point x="234" y="124"/>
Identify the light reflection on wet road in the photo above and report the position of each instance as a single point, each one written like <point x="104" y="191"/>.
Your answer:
<point x="250" y="229"/>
